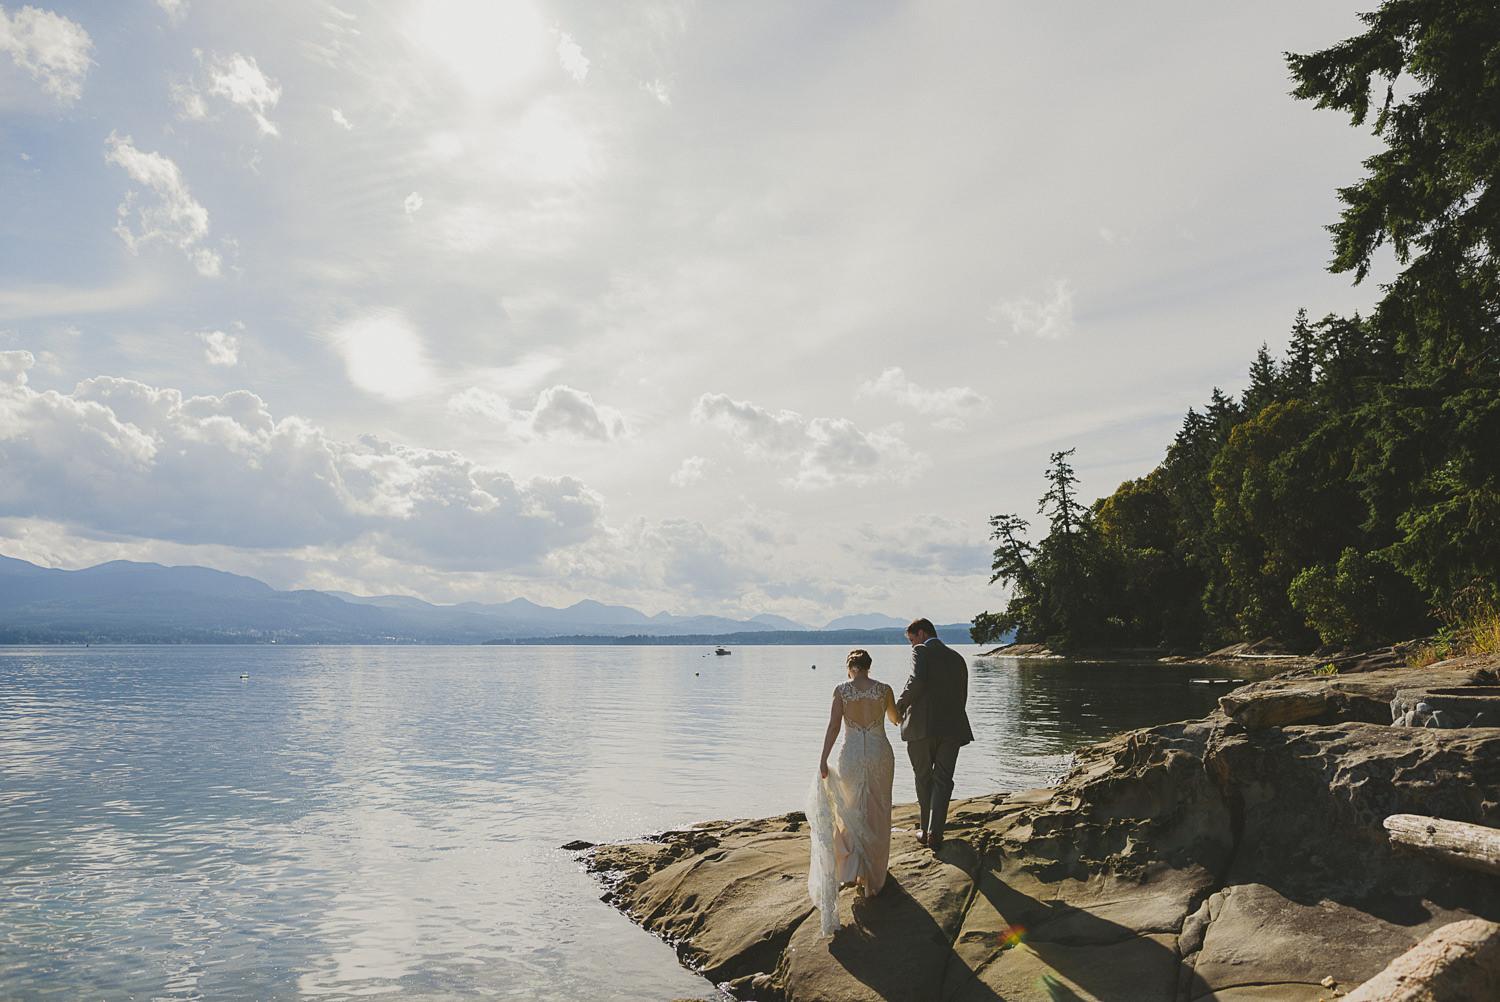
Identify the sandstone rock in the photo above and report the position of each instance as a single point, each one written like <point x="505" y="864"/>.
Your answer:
<point x="1019" y="651"/>
<point x="1458" y="963"/>
<point x="1261" y="935"/>
<point x="895" y="946"/>
<point x="1262" y="708"/>
<point x="1196" y="861"/>
<point x="1370" y="696"/>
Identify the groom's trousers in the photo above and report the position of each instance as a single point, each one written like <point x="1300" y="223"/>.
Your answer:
<point x="932" y="762"/>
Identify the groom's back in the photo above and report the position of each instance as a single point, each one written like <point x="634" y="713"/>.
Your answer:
<point x="947" y="717"/>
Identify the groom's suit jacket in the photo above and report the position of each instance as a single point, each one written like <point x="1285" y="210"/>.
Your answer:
<point x="932" y="703"/>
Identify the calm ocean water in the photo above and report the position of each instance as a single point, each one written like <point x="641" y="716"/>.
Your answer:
<point x="354" y="821"/>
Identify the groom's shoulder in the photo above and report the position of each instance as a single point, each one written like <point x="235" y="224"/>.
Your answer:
<point x="950" y="654"/>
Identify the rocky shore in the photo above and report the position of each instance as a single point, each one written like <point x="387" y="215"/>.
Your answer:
<point x="1237" y="858"/>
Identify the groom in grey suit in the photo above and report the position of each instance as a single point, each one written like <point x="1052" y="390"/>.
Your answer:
<point x="934" y="724"/>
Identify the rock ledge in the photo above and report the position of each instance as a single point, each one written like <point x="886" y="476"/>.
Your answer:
<point x="1231" y="859"/>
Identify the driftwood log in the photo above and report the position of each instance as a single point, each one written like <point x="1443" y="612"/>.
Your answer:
<point x="1458" y="963"/>
<point x="1472" y="846"/>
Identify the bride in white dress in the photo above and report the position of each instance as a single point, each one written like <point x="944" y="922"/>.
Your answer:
<point x="849" y="806"/>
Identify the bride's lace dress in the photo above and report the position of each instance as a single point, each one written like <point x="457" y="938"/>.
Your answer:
<point x="849" y="812"/>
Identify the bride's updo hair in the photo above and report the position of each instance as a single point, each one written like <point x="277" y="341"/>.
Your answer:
<point x="858" y="659"/>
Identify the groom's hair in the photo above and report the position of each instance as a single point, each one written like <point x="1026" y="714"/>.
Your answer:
<point x="922" y="625"/>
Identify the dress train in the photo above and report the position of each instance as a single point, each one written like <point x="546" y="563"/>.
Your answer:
<point x="849" y="815"/>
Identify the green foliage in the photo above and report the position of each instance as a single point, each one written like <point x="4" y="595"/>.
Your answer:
<point x="1432" y="480"/>
<point x="1355" y="485"/>
<point x="1059" y="589"/>
<point x="1358" y="601"/>
<point x="1268" y="517"/>
<point x="1471" y="625"/>
<point x="1430" y="192"/>
<point x="988" y="628"/>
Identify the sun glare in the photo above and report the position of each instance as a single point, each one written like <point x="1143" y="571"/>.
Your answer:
<point x="385" y="356"/>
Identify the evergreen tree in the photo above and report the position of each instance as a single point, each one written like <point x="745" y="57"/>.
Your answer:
<point x="1433" y="477"/>
<point x="1355" y="486"/>
<point x="1265" y="384"/>
<point x="1431" y="192"/>
<point x="1056" y="592"/>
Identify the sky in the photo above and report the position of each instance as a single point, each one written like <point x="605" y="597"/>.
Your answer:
<point x="699" y="307"/>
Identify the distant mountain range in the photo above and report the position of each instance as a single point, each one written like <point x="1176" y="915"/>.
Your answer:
<point x="128" y="602"/>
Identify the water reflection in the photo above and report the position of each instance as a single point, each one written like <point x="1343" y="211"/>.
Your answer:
<point x="355" y="821"/>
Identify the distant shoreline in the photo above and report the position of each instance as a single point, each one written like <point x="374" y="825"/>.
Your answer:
<point x="758" y="638"/>
<point x="766" y="638"/>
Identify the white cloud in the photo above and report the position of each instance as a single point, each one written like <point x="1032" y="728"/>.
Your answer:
<point x="190" y="104"/>
<point x="1052" y="319"/>
<point x="749" y="562"/>
<point x="240" y="80"/>
<point x="564" y="410"/>
<point x="412" y="204"/>
<point x="169" y="214"/>
<point x="925" y="544"/>
<point x="573" y="61"/>
<point x="340" y="120"/>
<point x="692" y="470"/>
<point x="384" y="355"/>
<point x="220" y="348"/>
<point x="559" y="411"/>
<point x="951" y="405"/>
<point x="690" y="556"/>
<point x="684" y="564"/>
<point x="823" y="451"/>
<point x="41" y="300"/>
<point x="117" y="456"/>
<point x="659" y="90"/>
<point x="53" y="49"/>
<point x="491" y="407"/>
<point x="176" y="10"/>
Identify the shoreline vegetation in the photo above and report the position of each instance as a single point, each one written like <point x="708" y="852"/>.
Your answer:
<point x="1350" y="496"/>
<point x="1242" y="857"/>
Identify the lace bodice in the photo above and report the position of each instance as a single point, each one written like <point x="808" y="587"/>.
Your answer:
<point x="864" y="708"/>
<point x="849" y="691"/>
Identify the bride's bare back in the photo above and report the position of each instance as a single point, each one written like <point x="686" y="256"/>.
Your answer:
<point x="864" y="706"/>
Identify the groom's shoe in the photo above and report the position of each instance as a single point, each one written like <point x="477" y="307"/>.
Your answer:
<point x="921" y="838"/>
<point x="934" y="841"/>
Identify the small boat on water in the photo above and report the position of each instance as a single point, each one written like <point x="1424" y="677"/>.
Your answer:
<point x="722" y="651"/>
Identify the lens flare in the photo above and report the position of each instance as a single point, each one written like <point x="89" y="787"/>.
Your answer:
<point x="1012" y="935"/>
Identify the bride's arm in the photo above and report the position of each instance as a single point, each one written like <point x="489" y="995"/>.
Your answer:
<point x="890" y="706"/>
<point x="835" y="721"/>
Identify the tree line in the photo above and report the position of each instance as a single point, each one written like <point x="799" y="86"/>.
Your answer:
<point x="1351" y="495"/>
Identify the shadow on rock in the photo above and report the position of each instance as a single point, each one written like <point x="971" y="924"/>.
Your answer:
<point x="896" y="946"/>
<point x="1107" y="943"/>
